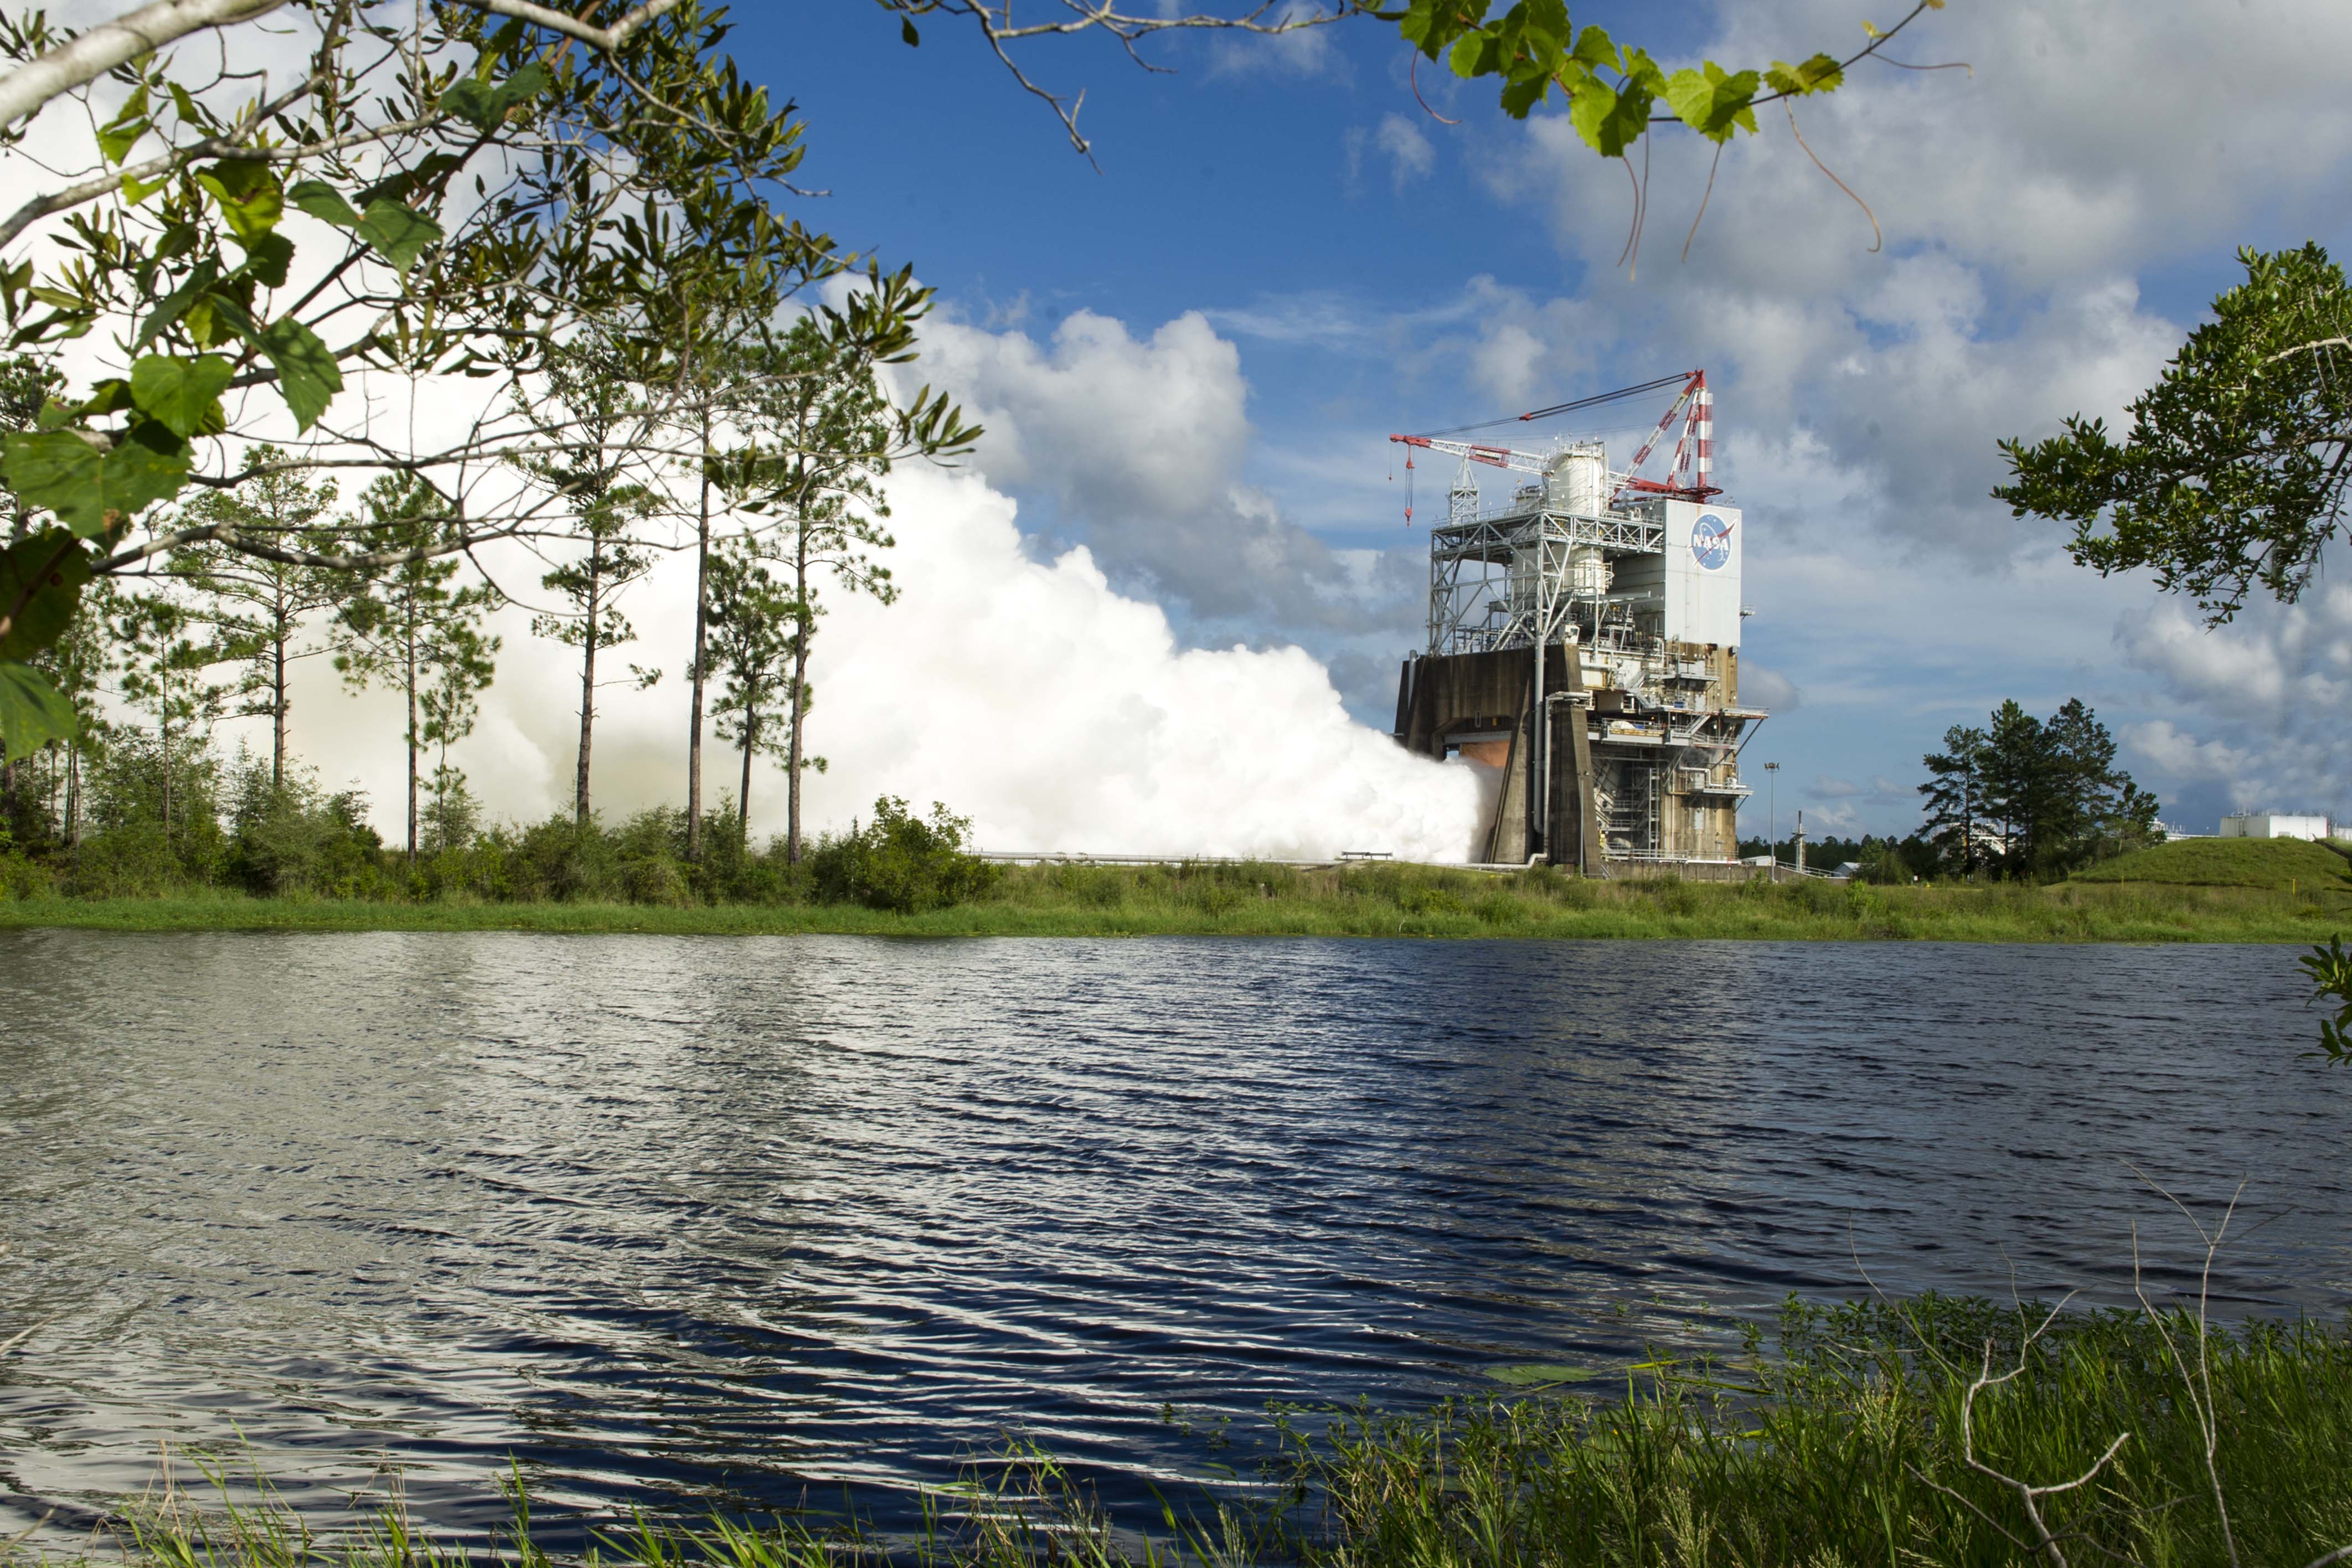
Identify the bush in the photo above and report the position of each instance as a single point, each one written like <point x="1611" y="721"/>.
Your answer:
<point x="20" y="877"/>
<point x="901" y="862"/>
<point x="288" y="837"/>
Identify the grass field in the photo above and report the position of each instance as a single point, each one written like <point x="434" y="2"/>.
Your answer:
<point x="2259" y="905"/>
<point x="1855" y="1435"/>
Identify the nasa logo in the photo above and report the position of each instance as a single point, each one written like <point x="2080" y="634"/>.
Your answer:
<point x="1711" y="541"/>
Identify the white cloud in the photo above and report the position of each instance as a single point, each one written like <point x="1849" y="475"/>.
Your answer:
<point x="1841" y="820"/>
<point x="1308" y="51"/>
<point x="1767" y="689"/>
<point x="1409" y="153"/>
<point x="2264" y="689"/>
<point x="1139" y="443"/>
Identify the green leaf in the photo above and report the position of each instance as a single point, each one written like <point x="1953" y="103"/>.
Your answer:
<point x="184" y="393"/>
<point x="1594" y="51"/>
<point x="137" y="191"/>
<point x="189" y="110"/>
<point x="1712" y="103"/>
<point x="307" y="377"/>
<point x="485" y="105"/>
<point x="397" y="231"/>
<point x="89" y="491"/>
<point x="1523" y="93"/>
<point x="60" y="472"/>
<point x="907" y="31"/>
<point x="119" y="135"/>
<point x="322" y="202"/>
<point x="1641" y="71"/>
<point x="1531" y="1374"/>
<point x="49" y="608"/>
<point x="149" y="464"/>
<point x="1609" y="119"/>
<point x="1820" y="74"/>
<point x="267" y="259"/>
<point x="33" y="712"/>
<point x="174" y="305"/>
<point x="247" y="196"/>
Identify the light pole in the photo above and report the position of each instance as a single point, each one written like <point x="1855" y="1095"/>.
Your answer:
<point x="1772" y="782"/>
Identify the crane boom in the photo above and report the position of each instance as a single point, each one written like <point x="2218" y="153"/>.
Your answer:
<point x="1689" y="473"/>
<point x="1493" y="457"/>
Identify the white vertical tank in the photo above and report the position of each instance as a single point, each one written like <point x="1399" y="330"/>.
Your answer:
<point x="1579" y="480"/>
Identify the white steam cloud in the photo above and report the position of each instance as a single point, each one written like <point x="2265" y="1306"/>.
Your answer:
<point x="1055" y="712"/>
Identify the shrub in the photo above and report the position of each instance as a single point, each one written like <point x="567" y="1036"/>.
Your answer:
<point x="20" y="877"/>
<point x="899" y="861"/>
<point x="288" y="837"/>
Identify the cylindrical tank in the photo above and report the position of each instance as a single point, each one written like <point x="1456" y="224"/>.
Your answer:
<point x="1579" y="480"/>
<point x="1588" y="571"/>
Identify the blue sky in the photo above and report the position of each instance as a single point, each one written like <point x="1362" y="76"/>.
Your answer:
<point x="1189" y="358"/>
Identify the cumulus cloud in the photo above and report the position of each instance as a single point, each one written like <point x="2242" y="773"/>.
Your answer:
<point x="1136" y="446"/>
<point x="1139" y="444"/>
<point x="2262" y="690"/>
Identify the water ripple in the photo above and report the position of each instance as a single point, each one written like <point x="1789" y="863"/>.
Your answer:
<point x="737" y="1220"/>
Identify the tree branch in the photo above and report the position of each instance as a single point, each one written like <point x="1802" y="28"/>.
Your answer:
<point x="606" y="38"/>
<point x="93" y="54"/>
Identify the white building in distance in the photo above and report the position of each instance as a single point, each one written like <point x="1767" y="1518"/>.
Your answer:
<point x="2270" y="824"/>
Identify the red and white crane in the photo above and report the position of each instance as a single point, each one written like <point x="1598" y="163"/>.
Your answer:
<point x="1689" y="476"/>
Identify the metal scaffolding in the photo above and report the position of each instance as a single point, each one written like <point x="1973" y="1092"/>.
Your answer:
<point x="1577" y="556"/>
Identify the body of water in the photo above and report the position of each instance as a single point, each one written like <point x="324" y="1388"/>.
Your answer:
<point x="727" y="1223"/>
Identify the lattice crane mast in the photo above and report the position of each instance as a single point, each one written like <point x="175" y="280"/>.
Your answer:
<point x="1693" y="448"/>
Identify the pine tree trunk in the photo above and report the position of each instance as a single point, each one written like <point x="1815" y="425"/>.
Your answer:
<point x="750" y="742"/>
<point x="409" y="654"/>
<point x="164" y="731"/>
<point x="800" y="697"/>
<point x="588" y="682"/>
<point x="701" y="652"/>
<point x="73" y="796"/>
<point x="278" y="710"/>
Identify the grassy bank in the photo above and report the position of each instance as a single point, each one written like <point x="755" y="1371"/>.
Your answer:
<point x="1377" y="900"/>
<point x="2282" y="863"/>
<point x="1862" y="1436"/>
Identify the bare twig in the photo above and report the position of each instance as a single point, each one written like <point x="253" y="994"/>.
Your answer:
<point x="1877" y="237"/>
<point x="1705" y="197"/>
<point x="1413" y="79"/>
<point x="2029" y="1496"/>
<point x="994" y="20"/>
<point x="2199" y="1386"/>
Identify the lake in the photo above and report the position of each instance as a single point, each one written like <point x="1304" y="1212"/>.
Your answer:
<point x="723" y="1223"/>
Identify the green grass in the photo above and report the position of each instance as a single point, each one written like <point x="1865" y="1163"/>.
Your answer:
<point x="1847" y="1447"/>
<point x="2278" y="863"/>
<point x="1386" y="900"/>
<point x="1839" y="1439"/>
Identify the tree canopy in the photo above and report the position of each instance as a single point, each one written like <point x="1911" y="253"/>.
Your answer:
<point x="2233" y="475"/>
